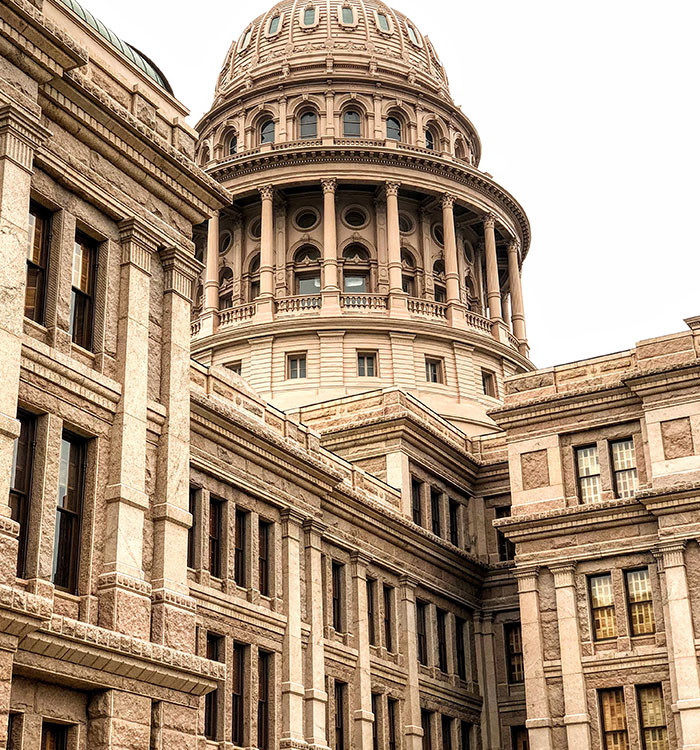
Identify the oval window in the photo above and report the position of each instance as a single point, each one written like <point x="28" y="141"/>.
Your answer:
<point x="274" y="26"/>
<point x="355" y="217"/>
<point x="405" y="224"/>
<point x="306" y="219"/>
<point x="224" y="242"/>
<point x="438" y="234"/>
<point x="256" y="229"/>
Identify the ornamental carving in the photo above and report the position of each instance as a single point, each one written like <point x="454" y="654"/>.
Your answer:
<point x="329" y="185"/>
<point x="392" y="188"/>
<point x="267" y="192"/>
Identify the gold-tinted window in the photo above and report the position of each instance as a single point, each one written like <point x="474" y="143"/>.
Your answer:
<point x="613" y="719"/>
<point x="652" y="717"/>
<point x="588" y="473"/>
<point x="602" y="607"/>
<point x="37" y="262"/>
<point x="624" y="467"/>
<point x="514" y="652"/>
<point x="639" y="604"/>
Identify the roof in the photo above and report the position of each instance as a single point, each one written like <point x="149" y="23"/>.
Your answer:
<point x="136" y="57"/>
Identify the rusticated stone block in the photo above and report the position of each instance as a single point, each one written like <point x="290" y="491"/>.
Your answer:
<point x="677" y="438"/>
<point x="535" y="470"/>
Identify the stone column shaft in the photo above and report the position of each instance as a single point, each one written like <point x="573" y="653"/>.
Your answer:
<point x="267" y="243"/>
<point x="451" y="267"/>
<point x="211" y="279"/>
<point x="486" y="674"/>
<point x="408" y="644"/>
<point x="492" y="282"/>
<point x="393" y="237"/>
<point x="329" y="280"/>
<point x="362" y="709"/>
<point x="516" y="295"/>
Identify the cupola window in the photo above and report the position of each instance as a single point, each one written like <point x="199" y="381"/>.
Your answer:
<point x="254" y="278"/>
<point x="306" y="219"/>
<point x="309" y="17"/>
<point x="246" y="38"/>
<point x="348" y="16"/>
<point x="255" y="229"/>
<point x="267" y="132"/>
<point x="355" y="217"/>
<point x="393" y="129"/>
<point x="308" y="125"/>
<point x="438" y="234"/>
<point x="352" y="124"/>
<point x="383" y="22"/>
<point x="356" y="268"/>
<point x="429" y="140"/>
<point x="412" y="35"/>
<point x="307" y="270"/>
<point x="274" y="26"/>
<point x="408" y="272"/>
<point x="232" y="145"/>
<point x="405" y="224"/>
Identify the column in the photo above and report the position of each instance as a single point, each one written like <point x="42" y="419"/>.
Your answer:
<point x="265" y="302"/>
<point x="292" y="664"/>
<point x="282" y="104"/>
<point x="124" y="593"/>
<point x="330" y="132"/>
<point x="363" y="717"/>
<point x="516" y="297"/>
<point x="210" y="308"/>
<point x="576" y="717"/>
<point x="378" y="129"/>
<point x="118" y="719"/>
<point x="316" y="696"/>
<point x="20" y="134"/>
<point x="408" y="643"/>
<point x="492" y="282"/>
<point x="330" y="291"/>
<point x="539" y="720"/>
<point x="428" y="290"/>
<point x="454" y="304"/>
<point x="397" y="296"/>
<point x="680" y="630"/>
<point x="487" y="679"/>
<point x="173" y="611"/>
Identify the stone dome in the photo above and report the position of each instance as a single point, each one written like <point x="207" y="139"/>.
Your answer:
<point x="348" y="35"/>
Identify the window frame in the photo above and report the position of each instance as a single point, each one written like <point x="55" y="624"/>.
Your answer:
<point x="85" y="338"/>
<point x="421" y="632"/>
<point x="417" y="500"/>
<point x="436" y="511"/>
<point x="238" y="669"/>
<point x="340" y="701"/>
<point x="341" y="12"/>
<point x="42" y="268"/>
<point x="267" y="131"/>
<point x="578" y="449"/>
<point x="371" y="587"/>
<point x="632" y="606"/>
<point x="439" y="365"/>
<point x="515" y="664"/>
<point x="461" y="652"/>
<point x="594" y="609"/>
<point x="453" y="520"/>
<point x="441" y="633"/>
<point x="363" y="359"/>
<point x="601" y="708"/>
<point x="489" y="384"/>
<point x="62" y="731"/>
<point x="642" y="727"/>
<point x="616" y="473"/>
<point x="313" y="125"/>
<point x="21" y="506"/>
<point x="265" y="666"/>
<point x="387" y="18"/>
<point x="388" y="618"/>
<point x="240" y="548"/>
<point x="216" y="535"/>
<point x="265" y="529"/>
<point x="396" y="126"/>
<point x="338" y="596"/>
<point x="268" y="28"/>
<point x="303" y="17"/>
<point x="352" y="111"/>
<point x="300" y="359"/>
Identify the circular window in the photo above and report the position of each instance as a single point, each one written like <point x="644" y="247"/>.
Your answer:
<point x="405" y="224"/>
<point x="438" y="234"/>
<point x="306" y="219"/>
<point x="255" y="229"/>
<point x="224" y="241"/>
<point x="355" y="217"/>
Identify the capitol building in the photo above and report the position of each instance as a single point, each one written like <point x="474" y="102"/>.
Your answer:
<point x="279" y="471"/>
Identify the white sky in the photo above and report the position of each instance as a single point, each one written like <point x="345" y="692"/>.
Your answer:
<point x="588" y="114"/>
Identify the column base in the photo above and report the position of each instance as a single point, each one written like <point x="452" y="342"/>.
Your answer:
<point x="124" y="604"/>
<point x="173" y="620"/>
<point x="398" y="304"/>
<point x="330" y="302"/>
<point x="264" y="309"/>
<point x="209" y="320"/>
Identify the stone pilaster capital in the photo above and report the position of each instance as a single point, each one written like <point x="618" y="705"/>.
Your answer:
<point x="291" y="518"/>
<point x="360" y="558"/>
<point x="563" y="574"/>
<point x="408" y="581"/>
<point x="21" y="133"/>
<point x="181" y="269"/>
<point x="671" y="553"/>
<point x="267" y="192"/>
<point x="282" y="100"/>
<point x="314" y="531"/>
<point x="527" y="578"/>
<point x="447" y="201"/>
<point x="489" y="221"/>
<point x="138" y="243"/>
<point x="329" y="185"/>
<point x="392" y="188"/>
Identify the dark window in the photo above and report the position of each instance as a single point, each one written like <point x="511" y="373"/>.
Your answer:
<point x="488" y="383"/>
<point x="215" y="648"/>
<point x="337" y="584"/>
<point x="514" y="652"/>
<point x="14" y="731"/>
<point x="421" y="632"/>
<point x="425" y="722"/>
<point x="371" y="610"/>
<point x="54" y="736"/>
<point x="408" y="285"/>
<point x="238" y="693"/>
<point x="240" y="572"/>
<point x="440" y="293"/>
<point x="465" y="731"/>
<point x="264" y="528"/>
<point x="519" y="738"/>
<point x="613" y="718"/>
<point x="652" y="717"/>
<point x="416" y="496"/>
<point x="446" y="733"/>
<point x="264" y="665"/>
<point x="392" y="717"/>
<point x="308" y="125"/>
<point x="393" y="129"/>
<point x="429" y="140"/>
<point x="442" y="639"/>
<point x="69" y="508"/>
<point x="191" y="532"/>
<point x="82" y="302"/>
<point x="340" y="688"/>
<point x="236" y="367"/>
<point x="367" y="364"/>
<point x="433" y="370"/>
<point x="454" y="522"/>
<point x="21" y="482"/>
<point x="306" y="220"/>
<point x="388" y="617"/>
<point x="375" y="724"/>
<point x="352" y="124"/>
<point x="435" y="501"/>
<point x="216" y="513"/>
<point x="37" y="262"/>
<point x="296" y="366"/>
<point x="461" y="655"/>
<point x="267" y="132"/>
<point x="602" y="607"/>
<point x="506" y="548"/>
<point x="639" y="604"/>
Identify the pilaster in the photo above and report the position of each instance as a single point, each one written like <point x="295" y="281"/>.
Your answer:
<point x="363" y="717"/>
<point x="408" y="645"/>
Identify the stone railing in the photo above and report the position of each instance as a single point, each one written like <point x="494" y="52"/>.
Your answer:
<point x="230" y="315"/>
<point x="512" y="340"/>
<point x="426" y="307"/>
<point x="352" y="302"/>
<point x="300" y="303"/>
<point x="195" y="327"/>
<point x="474" y="320"/>
<point x="299" y="143"/>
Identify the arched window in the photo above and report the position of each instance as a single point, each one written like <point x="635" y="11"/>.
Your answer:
<point x="408" y="272"/>
<point x="225" y="287"/>
<point x="352" y="123"/>
<point x="309" y="18"/>
<point x="439" y="278"/>
<point x="254" y="278"/>
<point x="429" y="139"/>
<point x="197" y="301"/>
<point x="232" y="144"/>
<point x="393" y="129"/>
<point x="204" y="156"/>
<point x="460" y="153"/>
<point x="267" y="132"/>
<point x="355" y="270"/>
<point x="308" y="125"/>
<point x="383" y="22"/>
<point x="274" y="26"/>
<point x="307" y="270"/>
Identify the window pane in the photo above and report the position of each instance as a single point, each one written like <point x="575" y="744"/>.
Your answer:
<point x="267" y="132"/>
<point x="588" y="472"/>
<point x="652" y="717"/>
<point x="602" y="606"/>
<point x="348" y="16"/>
<point x="641" y="609"/>
<point x="68" y="509"/>
<point x="355" y="284"/>
<point x="393" y="129"/>
<point x="383" y="22"/>
<point x="274" y="25"/>
<point x="514" y="652"/>
<point x="613" y="719"/>
<point x="624" y="467"/>
<point x="309" y="285"/>
<point x="352" y="124"/>
<point x="309" y="16"/>
<point x="308" y="125"/>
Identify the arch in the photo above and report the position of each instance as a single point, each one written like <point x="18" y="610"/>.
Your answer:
<point x="352" y="122"/>
<point x="229" y="141"/>
<point x="356" y="268"/>
<point x="307" y="254"/>
<point x="356" y="252"/>
<point x="300" y="104"/>
<point x="307" y="270"/>
<point x="395" y="128"/>
<point x="438" y="129"/>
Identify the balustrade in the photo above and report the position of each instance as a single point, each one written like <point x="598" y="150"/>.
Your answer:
<point x="352" y="302"/>
<point x="300" y="303"/>
<point x="427" y="307"/>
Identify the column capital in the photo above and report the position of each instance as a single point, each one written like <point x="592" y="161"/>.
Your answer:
<point x="21" y="133"/>
<point x="514" y="245"/>
<point x="671" y="553"/>
<point x="408" y="581"/>
<point x="138" y="243"/>
<point x="447" y="200"/>
<point x="329" y="185"/>
<point x="267" y="192"/>
<point x="291" y="518"/>
<point x="527" y="578"/>
<point x="489" y="221"/>
<point x="181" y="268"/>
<point x="360" y="558"/>
<point x="314" y="530"/>
<point x="563" y="574"/>
<point x="392" y="188"/>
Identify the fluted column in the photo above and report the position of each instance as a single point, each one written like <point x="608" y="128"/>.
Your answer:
<point x="576" y="717"/>
<point x="362" y="708"/>
<point x="492" y="282"/>
<point x="397" y="296"/>
<point x="539" y="719"/>
<point x="516" y="296"/>
<point x="448" y="226"/>
<point x="265" y="302"/>
<point x="210" y="312"/>
<point x="329" y="278"/>
<point x="408" y="643"/>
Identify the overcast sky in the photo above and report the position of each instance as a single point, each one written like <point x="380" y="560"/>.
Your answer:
<point x="588" y="114"/>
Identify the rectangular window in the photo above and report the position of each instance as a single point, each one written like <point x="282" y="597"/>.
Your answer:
<point x="392" y="717"/>
<point x="388" y="617"/>
<point x="216" y="514"/>
<point x="264" y="666"/>
<point x="238" y="693"/>
<point x="337" y="586"/>
<point x="421" y="632"/>
<point x="652" y="717"/>
<point x="69" y="508"/>
<point x="433" y="370"/>
<point x="454" y="522"/>
<point x="236" y="367"/>
<point x="82" y="302"/>
<point x="488" y="383"/>
<point x="588" y="474"/>
<point x="376" y="698"/>
<point x="371" y="610"/>
<point x="215" y="648"/>
<point x="37" y="262"/>
<point x="465" y="733"/>
<point x="461" y="655"/>
<point x="425" y="722"/>
<point x="264" y="530"/>
<point x="435" y="500"/>
<point x="602" y="607"/>
<point x="506" y="548"/>
<point x="519" y="738"/>
<point x="367" y="364"/>
<point x="442" y="639"/>
<point x="308" y="284"/>
<point x="416" y="496"/>
<point x="639" y="603"/>
<point x="446" y="733"/>
<point x="54" y="736"/>
<point x="296" y="366"/>
<point x="514" y="652"/>
<point x="624" y="467"/>
<point x="440" y="294"/>
<point x="193" y="528"/>
<point x="340" y="690"/>
<point x="613" y="719"/>
<point x="240" y="572"/>
<point x="21" y="482"/>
